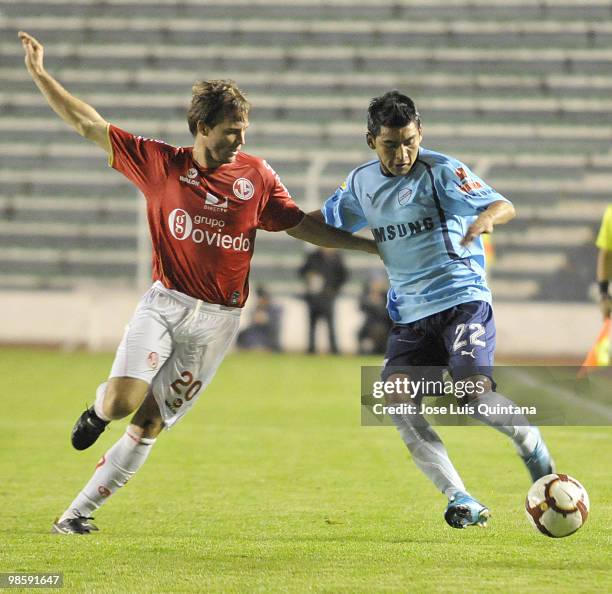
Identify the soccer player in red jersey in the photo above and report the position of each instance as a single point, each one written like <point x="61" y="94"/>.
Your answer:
<point x="204" y="206"/>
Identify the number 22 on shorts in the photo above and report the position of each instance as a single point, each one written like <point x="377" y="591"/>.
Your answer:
<point x="474" y="338"/>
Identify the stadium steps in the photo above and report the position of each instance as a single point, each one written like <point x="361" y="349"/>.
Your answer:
<point x="285" y="282"/>
<point x="71" y="257"/>
<point x="441" y="84"/>
<point x="507" y="290"/>
<point x="71" y="184"/>
<point x="99" y="271"/>
<point x="125" y="207"/>
<point x="339" y="108"/>
<point x="441" y="10"/>
<point x="534" y="120"/>
<point x="349" y="136"/>
<point x="292" y="32"/>
<point x="555" y="236"/>
<point x="103" y="209"/>
<point x="545" y="263"/>
<point x="557" y="164"/>
<point x="330" y="58"/>
<point x="576" y="210"/>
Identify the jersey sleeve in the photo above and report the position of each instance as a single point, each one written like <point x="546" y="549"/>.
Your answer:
<point x="343" y="211"/>
<point x="280" y="212"/>
<point x="462" y="191"/>
<point x="141" y="160"/>
<point x="604" y="237"/>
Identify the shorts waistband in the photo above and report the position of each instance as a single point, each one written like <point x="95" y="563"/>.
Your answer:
<point x="194" y="303"/>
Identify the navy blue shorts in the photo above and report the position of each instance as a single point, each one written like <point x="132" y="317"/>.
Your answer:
<point x="460" y="339"/>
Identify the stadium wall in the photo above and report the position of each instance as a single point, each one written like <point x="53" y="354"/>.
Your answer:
<point x="95" y="319"/>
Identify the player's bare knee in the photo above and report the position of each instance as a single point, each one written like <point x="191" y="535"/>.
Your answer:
<point x="472" y="387"/>
<point x="123" y="396"/>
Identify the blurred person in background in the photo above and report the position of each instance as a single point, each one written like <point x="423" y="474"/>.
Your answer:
<point x="323" y="273"/>
<point x="373" y="334"/>
<point x="604" y="262"/>
<point x="263" y="333"/>
<point x="204" y="206"/>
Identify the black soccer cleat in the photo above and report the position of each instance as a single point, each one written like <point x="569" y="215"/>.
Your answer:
<point x="78" y="525"/>
<point x="87" y="429"/>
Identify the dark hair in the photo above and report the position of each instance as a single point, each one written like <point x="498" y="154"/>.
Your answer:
<point x="393" y="110"/>
<point x="214" y="100"/>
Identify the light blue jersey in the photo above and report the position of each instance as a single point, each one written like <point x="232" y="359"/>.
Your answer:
<point x="418" y="222"/>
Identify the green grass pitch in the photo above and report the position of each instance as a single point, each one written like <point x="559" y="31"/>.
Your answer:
<point x="271" y="485"/>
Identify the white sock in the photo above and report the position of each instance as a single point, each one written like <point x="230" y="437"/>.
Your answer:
<point x="516" y="427"/>
<point x="429" y="453"/>
<point x="98" y="408"/>
<point x="113" y="471"/>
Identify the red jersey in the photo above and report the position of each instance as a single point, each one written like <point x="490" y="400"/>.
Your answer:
<point x="203" y="222"/>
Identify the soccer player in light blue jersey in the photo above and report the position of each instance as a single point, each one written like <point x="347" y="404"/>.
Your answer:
<point x="427" y="212"/>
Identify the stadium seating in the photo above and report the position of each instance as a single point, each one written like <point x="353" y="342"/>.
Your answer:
<point x="518" y="89"/>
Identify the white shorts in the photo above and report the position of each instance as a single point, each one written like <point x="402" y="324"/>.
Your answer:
<point x="175" y="343"/>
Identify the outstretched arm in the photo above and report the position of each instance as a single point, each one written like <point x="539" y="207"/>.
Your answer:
<point x="78" y="114"/>
<point x="497" y="213"/>
<point x="313" y="230"/>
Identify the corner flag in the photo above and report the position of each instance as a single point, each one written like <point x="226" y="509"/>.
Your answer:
<point x="599" y="355"/>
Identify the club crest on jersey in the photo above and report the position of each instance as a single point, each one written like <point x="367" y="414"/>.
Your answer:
<point x="190" y="178"/>
<point x="243" y="188"/>
<point x="153" y="360"/>
<point x="404" y="196"/>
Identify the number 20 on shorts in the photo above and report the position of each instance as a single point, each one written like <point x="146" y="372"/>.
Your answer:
<point x="185" y="386"/>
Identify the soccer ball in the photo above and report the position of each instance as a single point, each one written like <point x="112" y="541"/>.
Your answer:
<point x="557" y="505"/>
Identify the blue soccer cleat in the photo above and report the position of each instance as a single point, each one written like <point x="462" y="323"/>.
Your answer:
<point x="539" y="463"/>
<point x="463" y="511"/>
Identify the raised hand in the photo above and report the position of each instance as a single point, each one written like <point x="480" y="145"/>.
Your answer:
<point x="85" y="120"/>
<point x="33" y="53"/>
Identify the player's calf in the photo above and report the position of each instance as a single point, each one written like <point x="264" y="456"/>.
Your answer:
<point x="116" y="467"/>
<point x="147" y="423"/>
<point x="539" y="462"/>
<point x="527" y="438"/>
